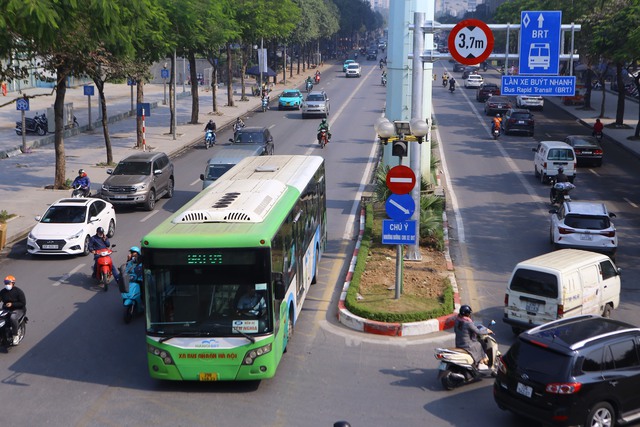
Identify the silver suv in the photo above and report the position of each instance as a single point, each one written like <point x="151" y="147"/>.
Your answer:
<point x="316" y="104"/>
<point x="140" y="179"/>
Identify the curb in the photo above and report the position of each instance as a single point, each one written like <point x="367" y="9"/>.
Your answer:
<point x="361" y="324"/>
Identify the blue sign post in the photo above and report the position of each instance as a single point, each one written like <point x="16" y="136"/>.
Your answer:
<point x="540" y="42"/>
<point x="398" y="232"/>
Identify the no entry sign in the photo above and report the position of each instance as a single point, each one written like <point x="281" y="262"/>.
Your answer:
<point x="401" y="179"/>
<point x="470" y="42"/>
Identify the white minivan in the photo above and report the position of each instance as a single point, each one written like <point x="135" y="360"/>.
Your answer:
<point x="564" y="283"/>
<point x="549" y="156"/>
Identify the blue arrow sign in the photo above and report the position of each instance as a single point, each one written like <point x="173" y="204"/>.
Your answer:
<point x="540" y="42"/>
<point x="398" y="232"/>
<point x="22" y="104"/>
<point x="400" y="206"/>
<point x="539" y="85"/>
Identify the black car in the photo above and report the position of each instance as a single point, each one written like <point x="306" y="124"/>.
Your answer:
<point x="497" y="104"/>
<point x="254" y="135"/>
<point x="582" y="370"/>
<point x="587" y="149"/>
<point x="518" y="120"/>
<point x="472" y="69"/>
<point x="372" y="55"/>
<point x="487" y="91"/>
<point x="457" y="67"/>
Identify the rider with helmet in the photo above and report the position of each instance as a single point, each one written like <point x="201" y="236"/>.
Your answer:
<point x="14" y="300"/>
<point x="324" y="125"/>
<point x="496" y="123"/>
<point x="132" y="270"/>
<point x="560" y="177"/>
<point x="82" y="182"/>
<point x="98" y="242"/>
<point x="134" y="264"/>
<point x="467" y="335"/>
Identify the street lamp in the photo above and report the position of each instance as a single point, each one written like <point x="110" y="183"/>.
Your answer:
<point x="384" y="128"/>
<point x="419" y="129"/>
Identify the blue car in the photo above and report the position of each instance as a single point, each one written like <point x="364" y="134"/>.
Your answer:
<point x="346" y="64"/>
<point x="291" y="98"/>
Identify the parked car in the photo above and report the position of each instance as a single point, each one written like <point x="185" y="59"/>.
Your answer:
<point x="530" y="101"/>
<point x="496" y="104"/>
<point x="290" y="99"/>
<point x="316" y="104"/>
<point x="584" y="225"/>
<point x="353" y="70"/>
<point x="346" y="63"/>
<point x="583" y="370"/>
<point x="486" y="91"/>
<point x="518" y="120"/>
<point x="473" y="81"/>
<point x="68" y="224"/>
<point x="587" y="149"/>
<point x="551" y="155"/>
<point x="140" y="179"/>
<point x="254" y="135"/>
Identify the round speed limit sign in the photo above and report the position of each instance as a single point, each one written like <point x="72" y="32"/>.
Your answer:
<point x="470" y="42"/>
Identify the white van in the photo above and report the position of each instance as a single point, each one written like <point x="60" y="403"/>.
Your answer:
<point x="225" y="159"/>
<point x="564" y="283"/>
<point x="550" y="155"/>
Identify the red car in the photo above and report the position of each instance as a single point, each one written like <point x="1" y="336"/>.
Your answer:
<point x="486" y="91"/>
<point x="497" y="104"/>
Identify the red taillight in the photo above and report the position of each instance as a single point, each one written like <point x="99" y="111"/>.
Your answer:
<point x="608" y="233"/>
<point x="563" y="230"/>
<point x="500" y="365"/>
<point x="563" y="388"/>
<point x="578" y="151"/>
<point x="598" y="152"/>
<point x="560" y="311"/>
<point x="506" y="300"/>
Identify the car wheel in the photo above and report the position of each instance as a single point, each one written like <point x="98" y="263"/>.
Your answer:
<point x="85" y="247"/>
<point x="535" y="172"/>
<point x="112" y="229"/>
<point x="289" y="331"/>
<point x="607" y="311"/>
<point x="170" y="189"/>
<point x="598" y="163"/>
<point x="601" y="415"/>
<point x="150" y="203"/>
<point x="543" y="177"/>
<point x="551" y="233"/>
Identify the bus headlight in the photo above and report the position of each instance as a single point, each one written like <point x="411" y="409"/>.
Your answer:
<point x="163" y="354"/>
<point x="251" y="355"/>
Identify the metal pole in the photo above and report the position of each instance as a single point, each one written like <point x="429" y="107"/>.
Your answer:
<point x="132" y="108"/>
<point x="399" y="256"/>
<point x="184" y="71"/>
<point x="571" y="53"/>
<point x="175" y="110"/>
<point x="506" y="51"/>
<point x="260" y="60"/>
<point x="89" y="107"/>
<point x="417" y="81"/>
<point x="164" y="86"/>
<point x="24" y="132"/>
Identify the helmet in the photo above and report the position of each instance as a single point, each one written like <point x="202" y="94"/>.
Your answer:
<point x="465" y="310"/>
<point x="135" y="249"/>
<point x="81" y="171"/>
<point x="324" y="121"/>
<point x="100" y="230"/>
<point x="9" y="279"/>
<point x="498" y="115"/>
<point x="560" y="169"/>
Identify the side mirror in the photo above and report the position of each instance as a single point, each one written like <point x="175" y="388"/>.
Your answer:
<point x="157" y="172"/>
<point x="109" y="171"/>
<point x="93" y="219"/>
<point x="38" y="218"/>
<point x="278" y="286"/>
<point x="612" y="215"/>
<point x="534" y="150"/>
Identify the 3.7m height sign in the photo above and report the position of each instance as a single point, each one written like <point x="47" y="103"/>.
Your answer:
<point x="540" y="42"/>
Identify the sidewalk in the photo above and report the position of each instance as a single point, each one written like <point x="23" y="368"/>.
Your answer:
<point x="24" y="176"/>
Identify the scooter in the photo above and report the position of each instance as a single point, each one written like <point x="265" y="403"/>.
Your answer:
<point x="130" y="291"/>
<point x="317" y="78"/>
<point x="39" y="124"/>
<point x="6" y="330"/>
<point x="444" y="82"/>
<point x="309" y="86"/>
<point x="265" y="103"/>
<point x="495" y="131"/>
<point x="457" y="366"/>
<point x="452" y="87"/>
<point x="104" y="267"/>
<point x="559" y="191"/>
<point x="599" y="136"/>
<point x="324" y="138"/>
<point x="209" y="138"/>
<point x="383" y="80"/>
<point x="79" y="192"/>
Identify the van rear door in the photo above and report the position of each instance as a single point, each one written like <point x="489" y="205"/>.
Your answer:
<point x="532" y="297"/>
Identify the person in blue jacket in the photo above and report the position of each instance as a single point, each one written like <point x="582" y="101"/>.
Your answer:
<point x="82" y="181"/>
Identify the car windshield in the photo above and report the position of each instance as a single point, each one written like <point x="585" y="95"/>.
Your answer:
<point x="133" y="168"/>
<point x="541" y="364"/>
<point x="215" y="171"/>
<point x="353" y="67"/>
<point x="535" y="283"/>
<point x="250" y="138"/>
<point x="560" y="154"/>
<point x="587" y="222"/>
<point x="290" y="94"/>
<point x="65" y="215"/>
<point x="496" y="99"/>
<point x="583" y="143"/>
<point x="520" y="116"/>
<point x="315" y="98"/>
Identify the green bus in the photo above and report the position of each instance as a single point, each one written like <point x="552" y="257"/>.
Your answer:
<point x="260" y="230"/>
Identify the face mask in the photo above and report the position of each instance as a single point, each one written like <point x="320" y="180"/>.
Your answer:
<point x="8" y="287"/>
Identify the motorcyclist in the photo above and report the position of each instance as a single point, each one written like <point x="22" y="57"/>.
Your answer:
<point x="560" y="177"/>
<point x="317" y="76"/>
<point x="381" y="63"/>
<point x="309" y="82"/>
<point x="467" y="335"/>
<point x="82" y="182"/>
<point x="496" y="122"/>
<point x="239" y="124"/>
<point x="324" y="125"/>
<point x="597" y="127"/>
<point x="133" y="269"/>
<point x="445" y="79"/>
<point x="97" y="242"/>
<point x="452" y="84"/>
<point x="14" y="300"/>
<point x="211" y="125"/>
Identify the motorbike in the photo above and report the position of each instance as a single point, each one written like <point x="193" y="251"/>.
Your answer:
<point x="236" y="127"/>
<point x="444" y="82"/>
<point x="560" y="191"/>
<point x="317" y="78"/>
<point x="130" y="291"/>
<point x="6" y="330"/>
<point x="38" y="124"/>
<point x="209" y="138"/>
<point x="324" y="138"/>
<point x="452" y="87"/>
<point x="79" y="192"/>
<point x="383" y="80"/>
<point x="598" y="135"/>
<point x="309" y="86"/>
<point x="104" y="267"/>
<point x="495" y="131"/>
<point x="457" y="366"/>
<point x="265" y="103"/>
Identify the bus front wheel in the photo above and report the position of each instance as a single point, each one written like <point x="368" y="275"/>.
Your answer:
<point x="289" y="329"/>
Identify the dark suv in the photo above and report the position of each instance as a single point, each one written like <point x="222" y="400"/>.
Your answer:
<point x="583" y="370"/>
<point x="518" y="120"/>
<point x="255" y="136"/>
<point x="140" y="179"/>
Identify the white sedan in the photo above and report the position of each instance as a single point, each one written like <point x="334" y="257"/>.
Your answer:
<point x="530" y="101"/>
<point x="474" y="81"/>
<point x="68" y="224"/>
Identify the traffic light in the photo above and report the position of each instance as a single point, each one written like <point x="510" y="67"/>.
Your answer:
<point x="400" y="148"/>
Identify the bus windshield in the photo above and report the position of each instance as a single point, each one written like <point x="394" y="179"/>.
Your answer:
<point x="208" y="292"/>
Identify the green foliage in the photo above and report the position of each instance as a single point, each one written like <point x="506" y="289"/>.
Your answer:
<point x="4" y="216"/>
<point x="381" y="192"/>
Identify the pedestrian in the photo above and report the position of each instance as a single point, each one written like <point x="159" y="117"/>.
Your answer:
<point x="4" y="88"/>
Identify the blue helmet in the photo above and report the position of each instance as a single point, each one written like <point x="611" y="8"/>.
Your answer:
<point x="135" y="249"/>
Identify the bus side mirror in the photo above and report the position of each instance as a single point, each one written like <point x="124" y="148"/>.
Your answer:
<point x="278" y="286"/>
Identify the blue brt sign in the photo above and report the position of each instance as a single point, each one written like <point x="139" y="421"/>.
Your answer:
<point x="540" y="42"/>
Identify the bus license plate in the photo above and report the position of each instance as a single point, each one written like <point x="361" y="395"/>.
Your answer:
<point x="524" y="390"/>
<point x="532" y="307"/>
<point x="208" y="376"/>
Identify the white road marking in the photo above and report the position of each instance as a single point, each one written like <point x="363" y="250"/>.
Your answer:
<point x="630" y="202"/>
<point x="66" y="276"/>
<point x="195" y="182"/>
<point x="149" y="216"/>
<point x="594" y="172"/>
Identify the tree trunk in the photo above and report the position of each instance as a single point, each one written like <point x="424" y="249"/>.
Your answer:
<point x="58" y="109"/>
<point x="105" y="123"/>
<point x="214" y="87"/>
<point x="589" y="87"/>
<point x="621" y="96"/>
<point x="140" y="100"/>
<point x="229" y="77"/>
<point x="243" y="61"/>
<point x="195" y="99"/>
<point x="636" y="80"/>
